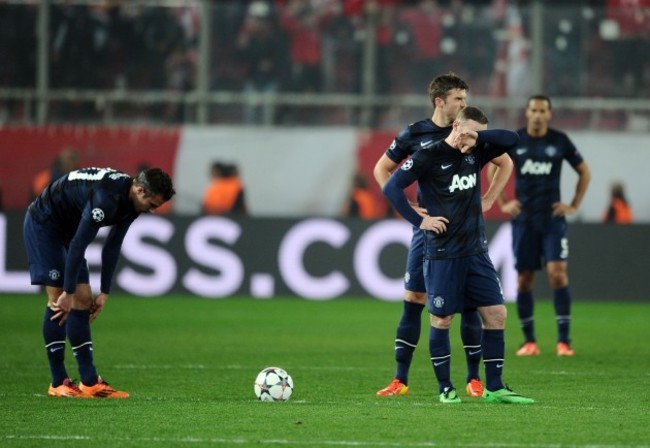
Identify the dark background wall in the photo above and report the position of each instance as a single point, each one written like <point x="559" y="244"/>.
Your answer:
<point x="320" y="259"/>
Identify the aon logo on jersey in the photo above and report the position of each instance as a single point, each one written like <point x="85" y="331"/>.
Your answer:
<point x="462" y="183"/>
<point x="536" y="168"/>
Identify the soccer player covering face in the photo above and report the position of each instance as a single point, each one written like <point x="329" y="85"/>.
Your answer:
<point x="59" y="226"/>
<point x="539" y="226"/>
<point x="458" y="272"/>
<point x="448" y="94"/>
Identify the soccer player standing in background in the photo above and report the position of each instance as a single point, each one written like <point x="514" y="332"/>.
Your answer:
<point x="448" y="94"/>
<point x="539" y="226"/>
<point x="458" y="272"/>
<point x="59" y="226"/>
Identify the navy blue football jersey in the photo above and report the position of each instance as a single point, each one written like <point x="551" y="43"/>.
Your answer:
<point x="415" y="136"/>
<point x="450" y="185"/>
<point x="77" y="205"/>
<point x="538" y="166"/>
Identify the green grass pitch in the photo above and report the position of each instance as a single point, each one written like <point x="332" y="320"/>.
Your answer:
<point x="190" y="363"/>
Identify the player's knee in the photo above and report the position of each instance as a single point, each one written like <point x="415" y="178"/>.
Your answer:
<point x="441" y="322"/>
<point x="525" y="281"/>
<point x="494" y="317"/>
<point x="82" y="301"/>
<point x="415" y="297"/>
<point x="558" y="278"/>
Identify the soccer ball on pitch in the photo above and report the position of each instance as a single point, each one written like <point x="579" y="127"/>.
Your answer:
<point x="273" y="384"/>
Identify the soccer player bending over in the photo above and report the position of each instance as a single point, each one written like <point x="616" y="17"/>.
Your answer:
<point x="59" y="226"/>
<point x="458" y="272"/>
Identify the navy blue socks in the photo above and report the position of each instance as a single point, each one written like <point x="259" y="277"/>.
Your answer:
<point x="440" y="351"/>
<point x="408" y="335"/>
<point x="493" y="355"/>
<point x="525" y="309"/>
<point x="470" y="333"/>
<point x="54" y="336"/>
<point x="562" y="303"/>
<point x="78" y="326"/>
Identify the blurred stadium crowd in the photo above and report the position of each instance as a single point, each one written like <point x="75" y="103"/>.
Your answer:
<point x="591" y="48"/>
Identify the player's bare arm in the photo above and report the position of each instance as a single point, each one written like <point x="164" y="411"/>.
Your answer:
<point x="383" y="170"/>
<point x="502" y="171"/>
<point x="584" y="177"/>
<point x="510" y="207"/>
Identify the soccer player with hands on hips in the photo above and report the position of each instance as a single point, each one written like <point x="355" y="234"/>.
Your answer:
<point x="458" y="272"/>
<point x="59" y="225"/>
<point x="539" y="226"/>
<point x="448" y="95"/>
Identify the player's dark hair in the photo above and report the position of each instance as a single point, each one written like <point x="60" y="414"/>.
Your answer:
<point x="539" y="98"/>
<point x="472" y="113"/>
<point x="443" y="84"/>
<point x="155" y="182"/>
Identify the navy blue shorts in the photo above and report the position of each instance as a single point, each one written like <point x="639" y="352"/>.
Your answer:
<point x="458" y="284"/>
<point x="46" y="253"/>
<point x="414" y="278"/>
<point x="534" y="246"/>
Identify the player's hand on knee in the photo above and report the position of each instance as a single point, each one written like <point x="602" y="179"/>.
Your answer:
<point x="97" y="306"/>
<point x="62" y="307"/>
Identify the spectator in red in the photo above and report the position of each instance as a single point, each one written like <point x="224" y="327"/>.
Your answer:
<point x="303" y="21"/>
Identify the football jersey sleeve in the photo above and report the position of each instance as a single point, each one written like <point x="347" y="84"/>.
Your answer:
<point x="494" y="142"/>
<point x="111" y="254"/>
<point x="400" y="148"/>
<point x="572" y="155"/>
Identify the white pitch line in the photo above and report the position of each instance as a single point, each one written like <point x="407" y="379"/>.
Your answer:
<point x="241" y="441"/>
<point x="226" y="367"/>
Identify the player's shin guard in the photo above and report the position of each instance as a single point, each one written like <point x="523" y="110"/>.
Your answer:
<point x="562" y="303"/>
<point x="408" y="335"/>
<point x="470" y="333"/>
<point x="493" y="355"/>
<point x="78" y="326"/>
<point x="525" y="310"/>
<point x="54" y="337"/>
<point x="440" y="351"/>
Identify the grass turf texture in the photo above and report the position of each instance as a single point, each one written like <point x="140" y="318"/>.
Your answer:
<point x="190" y="363"/>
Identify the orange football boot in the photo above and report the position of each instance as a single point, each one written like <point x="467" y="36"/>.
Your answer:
<point x="564" y="349"/>
<point x="102" y="390"/>
<point x="528" y="349"/>
<point x="396" y="387"/>
<point x="68" y="389"/>
<point x="474" y="388"/>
